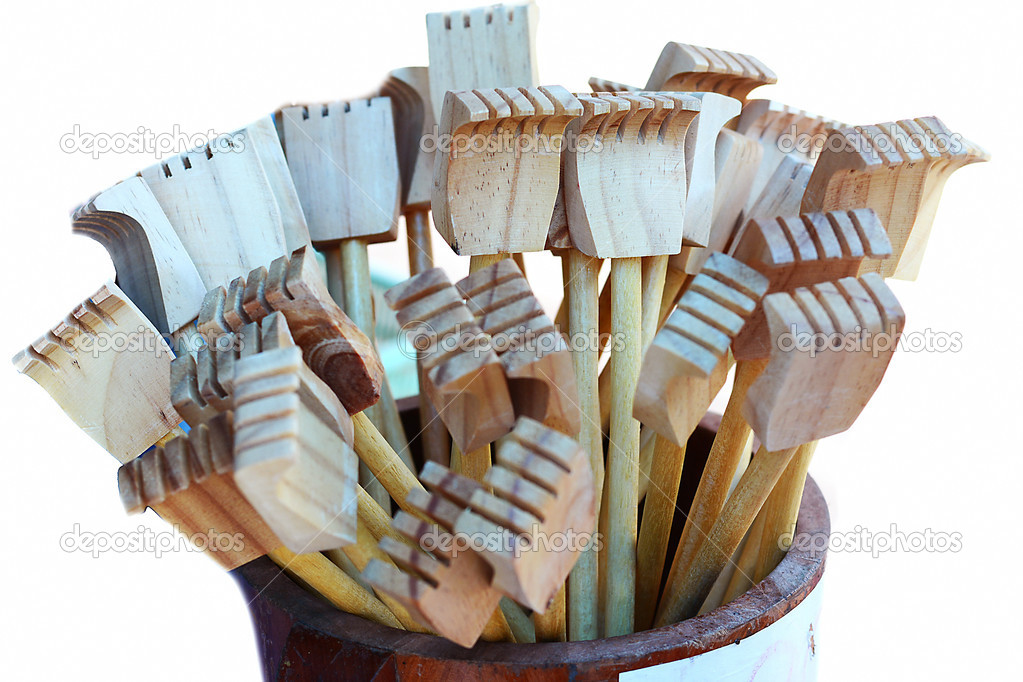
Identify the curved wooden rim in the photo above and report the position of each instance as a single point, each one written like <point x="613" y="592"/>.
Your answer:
<point x="793" y="579"/>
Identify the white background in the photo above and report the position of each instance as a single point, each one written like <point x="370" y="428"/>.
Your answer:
<point x="935" y="449"/>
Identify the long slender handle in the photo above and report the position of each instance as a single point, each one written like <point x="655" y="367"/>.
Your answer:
<point x="781" y="512"/>
<point x="737" y="516"/>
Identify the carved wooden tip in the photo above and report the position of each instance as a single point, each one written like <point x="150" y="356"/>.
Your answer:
<point x="909" y="141"/>
<point x="685" y="365"/>
<point x="691" y="68"/>
<point x="495" y="188"/>
<point x="767" y="120"/>
<point x="602" y="85"/>
<point x="345" y="191"/>
<point x="832" y="343"/>
<point x="150" y="479"/>
<point x="333" y="347"/>
<point x="464" y="377"/>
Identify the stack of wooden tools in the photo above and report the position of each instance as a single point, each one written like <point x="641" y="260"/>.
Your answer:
<point x="237" y="380"/>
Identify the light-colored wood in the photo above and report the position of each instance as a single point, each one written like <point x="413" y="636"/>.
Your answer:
<point x="333" y="347"/>
<point x="603" y="85"/>
<point x="519" y="623"/>
<point x="449" y="592"/>
<point x="484" y="47"/>
<point x="780" y="513"/>
<point x="899" y="170"/>
<point x="783" y="193"/>
<point x="319" y="574"/>
<point x="344" y="162"/>
<point x="655" y="528"/>
<point x="108" y="368"/>
<point x="803" y="396"/>
<point x="153" y="268"/>
<point x="625" y="175"/>
<point x="532" y="524"/>
<point x="725" y="456"/>
<point x="495" y="187"/>
<point x="685" y="366"/>
<point x="536" y="359"/>
<point x="464" y="377"/>
<point x="781" y="130"/>
<point x="745" y="563"/>
<point x="473" y="464"/>
<point x="385" y="464"/>
<point x="802" y="250"/>
<point x="296" y="468"/>
<point x="551" y="625"/>
<point x="736" y="159"/>
<point x="189" y="482"/>
<point x="621" y="482"/>
<point x="220" y="203"/>
<point x="409" y="91"/>
<point x="690" y="68"/>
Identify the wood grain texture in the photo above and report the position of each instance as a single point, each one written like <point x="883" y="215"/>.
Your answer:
<point x="685" y="366"/>
<point x="333" y="347"/>
<point x="189" y="482"/>
<point x="691" y="68"/>
<point x="464" y="377"/>
<point x="817" y="386"/>
<point x="536" y="359"/>
<point x="542" y="503"/>
<point x="783" y="193"/>
<point x="344" y="162"/>
<point x="802" y="250"/>
<point x="779" y="513"/>
<point x="220" y="203"/>
<point x="625" y="176"/>
<point x="898" y="169"/>
<point x="153" y="268"/>
<point x="409" y="91"/>
<point x="108" y="368"/>
<point x="484" y="47"/>
<point x="495" y="187"/>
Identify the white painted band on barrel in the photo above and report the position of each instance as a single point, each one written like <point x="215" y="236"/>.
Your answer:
<point x="784" y="650"/>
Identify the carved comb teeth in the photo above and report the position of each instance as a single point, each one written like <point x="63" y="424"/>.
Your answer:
<point x="494" y="190"/>
<point x="799" y="251"/>
<point x="463" y="377"/>
<point x="346" y="192"/>
<point x="898" y="169"/>
<point x="189" y="483"/>
<point x="625" y="176"/>
<point x="690" y="68"/>
<point x="107" y="368"/>
<point x="543" y="498"/>
<point x="449" y="592"/>
<point x="294" y="458"/>
<point x="409" y="90"/>
<point x="333" y="347"/>
<point x="536" y="358"/>
<point x="685" y="366"/>
<point x="832" y="345"/>
<point x="222" y="207"/>
<point x="602" y="85"/>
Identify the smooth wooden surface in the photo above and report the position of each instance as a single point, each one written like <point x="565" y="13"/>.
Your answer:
<point x="304" y="638"/>
<point x="691" y="68"/>
<point x="898" y="169"/>
<point x="625" y="179"/>
<point x="153" y="268"/>
<point x="409" y="91"/>
<point x="483" y="47"/>
<point x="465" y="382"/>
<point x="780" y="512"/>
<point x="495" y="188"/>
<point x="783" y="193"/>
<point x="108" y="368"/>
<point x="333" y="347"/>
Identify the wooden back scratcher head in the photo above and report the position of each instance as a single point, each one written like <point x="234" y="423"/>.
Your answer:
<point x="690" y="68"/>
<point x="153" y="268"/>
<point x="485" y="47"/>
<point x="542" y="497"/>
<point x="685" y="366"/>
<point x="798" y="251"/>
<point x="107" y="368"/>
<point x="220" y="203"/>
<point x="334" y="348"/>
<point x="898" y="169"/>
<point x="536" y="358"/>
<point x="625" y="194"/>
<point x="809" y="390"/>
<point x="494" y="189"/>
<point x="464" y="378"/>
<point x="409" y="92"/>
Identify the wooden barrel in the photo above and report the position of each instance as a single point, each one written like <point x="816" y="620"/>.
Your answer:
<point x="303" y="638"/>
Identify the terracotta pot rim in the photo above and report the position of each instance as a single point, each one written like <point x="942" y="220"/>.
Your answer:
<point x="793" y="579"/>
